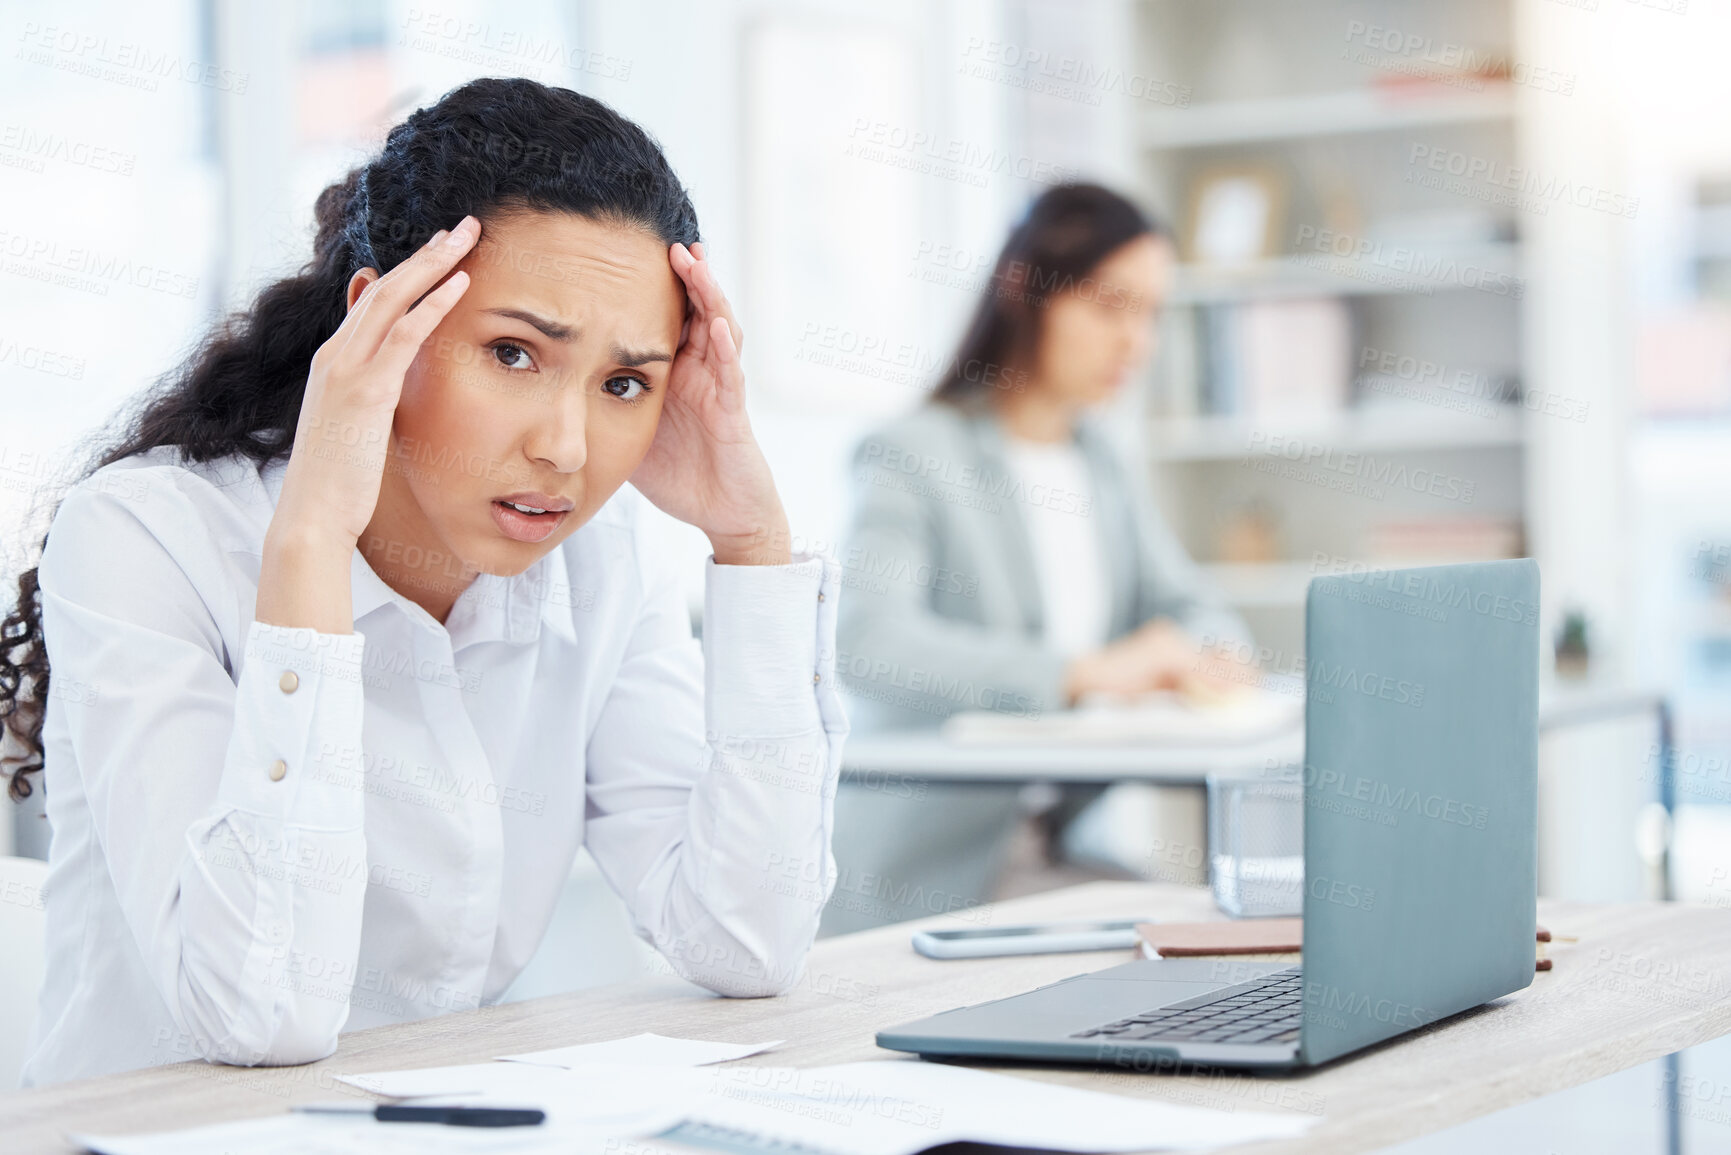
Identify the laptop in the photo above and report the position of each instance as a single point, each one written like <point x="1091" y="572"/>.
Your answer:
<point x="1420" y="785"/>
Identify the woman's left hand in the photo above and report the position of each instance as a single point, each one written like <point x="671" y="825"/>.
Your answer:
<point x="704" y="466"/>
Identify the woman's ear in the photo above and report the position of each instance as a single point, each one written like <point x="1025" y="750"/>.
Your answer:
<point x="358" y="284"/>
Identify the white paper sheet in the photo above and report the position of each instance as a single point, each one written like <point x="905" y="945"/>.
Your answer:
<point x="892" y="1107"/>
<point x="628" y="1099"/>
<point x="900" y="1107"/>
<point x="644" y="1050"/>
<point x="476" y="1078"/>
<point x="333" y="1135"/>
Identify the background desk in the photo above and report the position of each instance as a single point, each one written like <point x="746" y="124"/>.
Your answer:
<point x="887" y="760"/>
<point x="927" y="754"/>
<point x="1601" y="1010"/>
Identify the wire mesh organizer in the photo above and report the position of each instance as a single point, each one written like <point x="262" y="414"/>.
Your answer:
<point x="1256" y="842"/>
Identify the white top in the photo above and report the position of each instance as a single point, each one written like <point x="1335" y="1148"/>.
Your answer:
<point x="1057" y="504"/>
<point x="439" y="778"/>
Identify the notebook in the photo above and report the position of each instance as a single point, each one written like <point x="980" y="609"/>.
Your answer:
<point x="1272" y="939"/>
<point x="1236" y="937"/>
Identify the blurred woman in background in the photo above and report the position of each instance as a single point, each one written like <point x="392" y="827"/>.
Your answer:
<point x="1017" y="564"/>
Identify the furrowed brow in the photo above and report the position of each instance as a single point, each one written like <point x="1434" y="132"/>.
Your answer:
<point x="553" y="330"/>
<point x="631" y="359"/>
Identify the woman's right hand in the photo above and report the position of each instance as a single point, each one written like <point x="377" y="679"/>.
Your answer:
<point x="331" y="486"/>
<point x="332" y="482"/>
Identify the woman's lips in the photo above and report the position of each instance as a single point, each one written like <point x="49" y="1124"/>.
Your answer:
<point x="529" y="527"/>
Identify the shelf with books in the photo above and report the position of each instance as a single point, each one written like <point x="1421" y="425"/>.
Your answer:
<point x="1282" y="584"/>
<point x="1384" y="429"/>
<point x="1274" y="584"/>
<point x="1380" y="108"/>
<point x="1261" y="585"/>
<point x="1360" y="270"/>
<point x="1343" y="367"/>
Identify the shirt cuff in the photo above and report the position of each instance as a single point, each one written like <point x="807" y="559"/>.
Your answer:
<point x="768" y="644"/>
<point x="295" y="751"/>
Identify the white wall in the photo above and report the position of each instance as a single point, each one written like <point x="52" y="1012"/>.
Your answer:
<point x="1578" y="320"/>
<point x="820" y="246"/>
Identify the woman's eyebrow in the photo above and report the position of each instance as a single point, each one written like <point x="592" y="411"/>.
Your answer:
<point x="554" y="330"/>
<point x="558" y="331"/>
<point x="632" y="360"/>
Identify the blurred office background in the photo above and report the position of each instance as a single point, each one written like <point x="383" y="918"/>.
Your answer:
<point x="1481" y="241"/>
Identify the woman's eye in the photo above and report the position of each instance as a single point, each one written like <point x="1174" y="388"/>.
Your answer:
<point x="625" y="388"/>
<point x="508" y="355"/>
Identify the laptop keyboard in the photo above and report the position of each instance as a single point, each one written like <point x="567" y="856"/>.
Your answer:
<point x="1265" y="1010"/>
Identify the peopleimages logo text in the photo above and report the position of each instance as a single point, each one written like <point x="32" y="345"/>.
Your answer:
<point x="1320" y="782"/>
<point x="1429" y="588"/>
<point x="1322" y="677"/>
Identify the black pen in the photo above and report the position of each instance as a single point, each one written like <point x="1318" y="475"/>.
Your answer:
<point x="452" y="1116"/>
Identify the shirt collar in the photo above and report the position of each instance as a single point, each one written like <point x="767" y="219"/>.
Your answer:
<point x="492" y="608"/>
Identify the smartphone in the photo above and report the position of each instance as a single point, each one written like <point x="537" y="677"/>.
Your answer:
<point x="1041" y="938"/>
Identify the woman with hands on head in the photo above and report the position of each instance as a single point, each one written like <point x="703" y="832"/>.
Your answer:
<point x="371" y="636"/>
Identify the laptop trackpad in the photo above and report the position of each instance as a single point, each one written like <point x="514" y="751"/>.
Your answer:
<point x="1071" y="1006"/>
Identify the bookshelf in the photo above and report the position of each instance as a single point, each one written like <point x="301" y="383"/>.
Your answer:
<point x="1300" y="276"/>
<point x="1320" y="114"/>
<point x="1217" y="438"/>
<point x="1359" y="337"/>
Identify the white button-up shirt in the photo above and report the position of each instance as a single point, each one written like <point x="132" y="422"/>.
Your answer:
<point x="263" y="835"/>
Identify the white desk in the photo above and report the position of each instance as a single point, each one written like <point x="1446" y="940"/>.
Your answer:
<point x="927" y="754"/>
<point x="1602" y="1009"/>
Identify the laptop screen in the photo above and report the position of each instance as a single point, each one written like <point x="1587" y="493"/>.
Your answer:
<point x="1420" y="792"/>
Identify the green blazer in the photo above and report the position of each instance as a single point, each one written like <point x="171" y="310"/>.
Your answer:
<point x="941" y="607"/>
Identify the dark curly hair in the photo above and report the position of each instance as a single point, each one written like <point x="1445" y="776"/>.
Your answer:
<point x="490" y="147"/>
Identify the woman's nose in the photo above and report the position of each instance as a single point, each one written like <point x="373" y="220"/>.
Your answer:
<point x="560" y="433"/>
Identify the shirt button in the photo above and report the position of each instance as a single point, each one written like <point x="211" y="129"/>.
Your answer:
<point x="277" y="770"/>
<point x="289" y="681"/>
<point x="816" y="678"/>
<point x="820" y="595"/>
